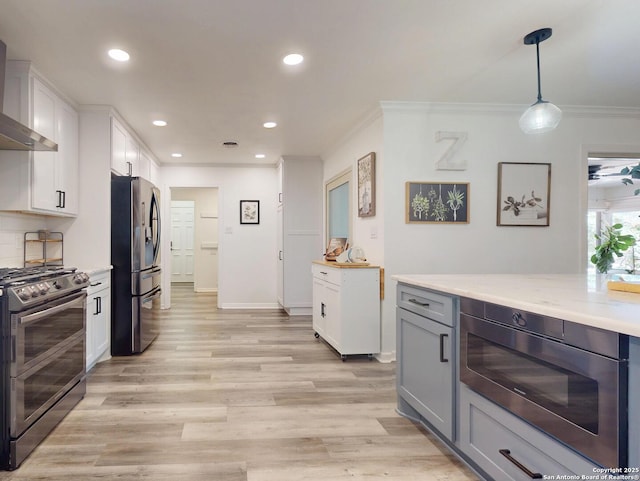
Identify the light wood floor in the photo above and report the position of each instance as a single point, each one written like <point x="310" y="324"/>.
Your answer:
<point x="238" y="396"/>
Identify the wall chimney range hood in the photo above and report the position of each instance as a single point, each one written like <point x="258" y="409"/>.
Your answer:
<point x="14" y="135"/>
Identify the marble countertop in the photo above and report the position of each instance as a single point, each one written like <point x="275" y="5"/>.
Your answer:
<point x="96" y="270"/>
<point x="571" y="297"/>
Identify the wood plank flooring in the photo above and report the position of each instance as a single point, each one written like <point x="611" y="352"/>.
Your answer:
<point x="238" y="396"/>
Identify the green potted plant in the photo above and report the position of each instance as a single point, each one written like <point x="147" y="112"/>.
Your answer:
<point x="612" y="242"/>
<point x="633" y="173"/>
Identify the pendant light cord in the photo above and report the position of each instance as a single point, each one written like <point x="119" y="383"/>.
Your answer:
<point x="538" y="63"/>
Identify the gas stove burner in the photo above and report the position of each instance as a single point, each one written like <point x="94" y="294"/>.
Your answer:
<point x="9" y="275"/>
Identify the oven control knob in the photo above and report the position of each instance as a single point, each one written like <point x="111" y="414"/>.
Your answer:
<point x="57" y="285"/>
<point x="35" y="292"/>
<point x="43" y="287"/>
<point x="23" y="294"/>
<point x="78" y="279"/>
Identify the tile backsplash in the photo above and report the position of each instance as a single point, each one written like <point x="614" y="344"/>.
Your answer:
<point x="12" y="229"/>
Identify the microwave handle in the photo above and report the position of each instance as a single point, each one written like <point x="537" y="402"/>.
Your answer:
<point x="31" y="318"/>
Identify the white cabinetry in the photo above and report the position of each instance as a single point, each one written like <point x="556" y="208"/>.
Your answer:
<point x="98" y="317"/>
<point x="45" y="182"/>
<point x="125" y="151"/>
<point x="299" y="218"/>
<point x="346" y="307"/>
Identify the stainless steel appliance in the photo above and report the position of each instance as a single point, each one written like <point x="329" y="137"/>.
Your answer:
<point x="567" y="379"/>
<point x="135" y="256"/>
<point x="43" y="354"/>
<point x="14" y="135"/>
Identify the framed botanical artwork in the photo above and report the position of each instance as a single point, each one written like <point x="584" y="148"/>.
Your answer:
<point x="437" y="203"/>
<point x="367" y="185"/>
<point x="524" y="192"/>
<point x="249" y="211"/>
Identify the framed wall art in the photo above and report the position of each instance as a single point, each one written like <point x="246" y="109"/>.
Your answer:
<point x="524" y="192"/>
<point x="367" y="185"/>
<point x="437" y="203"/>
<point x="249" y="211"/>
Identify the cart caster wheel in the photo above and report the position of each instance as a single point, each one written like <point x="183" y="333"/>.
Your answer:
<point x="370" y="356"/>
<point x="316" y="335"/>
<point x="343" y="357"/>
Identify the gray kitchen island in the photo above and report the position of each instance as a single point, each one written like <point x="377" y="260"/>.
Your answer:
<point x="523" y="376"/>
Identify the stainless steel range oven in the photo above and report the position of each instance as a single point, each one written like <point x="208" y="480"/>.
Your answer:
<point x="567" y="379"/>
<point x="43" y="345"/>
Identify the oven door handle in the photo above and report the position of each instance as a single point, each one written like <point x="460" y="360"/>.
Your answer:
<point x="507" y="454"/>
<point x="35" y="317"/>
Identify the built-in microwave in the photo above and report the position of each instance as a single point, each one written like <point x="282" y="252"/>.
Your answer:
<point x="567" y="379"/>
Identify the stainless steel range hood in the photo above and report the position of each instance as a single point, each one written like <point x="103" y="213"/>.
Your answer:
<point x="14" y="135"/>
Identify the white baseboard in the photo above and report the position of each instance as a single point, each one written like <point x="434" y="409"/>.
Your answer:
<point x="386" y="357"/>
<point x="250" y="306"/>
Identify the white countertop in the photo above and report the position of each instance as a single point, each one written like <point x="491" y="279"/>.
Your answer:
<point x="566" y="296"/>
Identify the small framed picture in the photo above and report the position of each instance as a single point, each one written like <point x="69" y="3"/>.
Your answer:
<point x="249" y="211"/>
<point x="437" y="203"/>
<point x="523" y="194"/>
<point x="367" y="185"/>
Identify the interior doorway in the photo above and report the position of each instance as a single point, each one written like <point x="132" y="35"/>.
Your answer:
<point x="610" y="202"/>
<point x="196" y="237"/>
<point x="182" y="239"/>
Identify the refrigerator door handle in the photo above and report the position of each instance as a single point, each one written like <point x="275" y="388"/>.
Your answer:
<point x="152" y="273"/>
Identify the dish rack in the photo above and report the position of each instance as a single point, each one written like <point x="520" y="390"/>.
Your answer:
<point x="43" y="248"/>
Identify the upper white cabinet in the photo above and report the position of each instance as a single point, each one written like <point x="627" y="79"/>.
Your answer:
<point x="125" y="151"/>
<point x="127" y="157"/>
<point x="299" y="218"/>
<point x="40" y="182"/>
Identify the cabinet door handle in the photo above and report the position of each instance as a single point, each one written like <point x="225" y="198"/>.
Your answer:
<point x="422" y="304"/>
<point x="130" y="168"/>
<point x="507" y="454"/>
<point x="97" y="311"/>
<point x="64" y="199"/>
<point x="442" y="338"/>
<point x="280" y="197"/>
<point x="323" y="273"/>
<point x="322" y="306"/>
<point x="59" y="204"/>
<point x="279" y="255"/>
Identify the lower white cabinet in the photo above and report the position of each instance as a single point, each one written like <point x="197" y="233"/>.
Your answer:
<point x="98" y="317"/>
<point x="346" y="307"/>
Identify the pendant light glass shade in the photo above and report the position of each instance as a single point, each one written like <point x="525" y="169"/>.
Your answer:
<point x="541" y="117"/>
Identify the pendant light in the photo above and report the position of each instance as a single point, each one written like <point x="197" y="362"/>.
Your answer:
<point x="542" y="116"/>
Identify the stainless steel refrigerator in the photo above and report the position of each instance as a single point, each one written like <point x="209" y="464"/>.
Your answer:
<point x="135" y="256"/>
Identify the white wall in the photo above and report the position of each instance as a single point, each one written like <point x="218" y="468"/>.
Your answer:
<point x="410" y="151"/>
<point x="12" y="229"/>
<point x="367" y="232"/>
<point x="403" y="138"/>
<point x="247" y="253"/>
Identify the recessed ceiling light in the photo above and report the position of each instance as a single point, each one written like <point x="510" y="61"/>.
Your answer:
<point x="119" y="55"/>
<point x="176" y="155"/>
<point x="269" y="125"/>
<point x="293" y="59"/>
<point x="160" y="123"/>
<point x="260" y="156"/>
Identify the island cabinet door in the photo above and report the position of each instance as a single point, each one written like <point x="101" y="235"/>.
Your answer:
<point x="425" y="351"/>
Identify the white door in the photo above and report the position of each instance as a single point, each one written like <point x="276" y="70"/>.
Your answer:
<point x="182" y="239"/>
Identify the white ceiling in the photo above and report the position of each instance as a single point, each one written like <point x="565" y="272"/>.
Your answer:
<point x="213" y="70"/>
